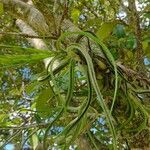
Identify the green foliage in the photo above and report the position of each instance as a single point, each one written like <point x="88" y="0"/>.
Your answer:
<point x="105" y="30"/>
<point x="119" y="31"/>
<point x="93" y="89"/>
<point x="1" y="8"/>
<point x="131" y="43"/>
<point x="19" y="55"/>
<point x="20" y="59"/>
<point x="43" y="102"/>
<point x="75" y="15"/>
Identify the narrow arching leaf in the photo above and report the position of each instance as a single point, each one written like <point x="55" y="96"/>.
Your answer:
<point x="26" y="50"/>
<point x="12" y="60"/>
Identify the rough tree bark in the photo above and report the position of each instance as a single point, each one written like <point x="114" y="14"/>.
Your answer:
<point x="134" y="22"/>
<point x="141" y="140"/>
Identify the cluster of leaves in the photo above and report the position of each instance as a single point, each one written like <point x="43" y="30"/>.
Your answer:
<point x="60" y="103"/>
<point x="87" y="93"/>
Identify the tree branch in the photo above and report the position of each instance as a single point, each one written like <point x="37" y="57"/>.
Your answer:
<point x="135" y="23"/>
<point x="27" y="13"/>
<point x="24" y="35"/>
<point x="131" y="73"/>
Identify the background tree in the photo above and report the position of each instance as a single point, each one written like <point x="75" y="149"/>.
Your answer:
<point x="93" y="89"/>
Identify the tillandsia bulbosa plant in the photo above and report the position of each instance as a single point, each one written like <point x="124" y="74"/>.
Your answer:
<point x="72" y="75"/>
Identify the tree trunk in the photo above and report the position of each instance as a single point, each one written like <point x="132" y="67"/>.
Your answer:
<point x="134" y="22"/>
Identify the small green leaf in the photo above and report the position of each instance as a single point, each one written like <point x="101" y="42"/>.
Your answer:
<point x="32" y="87"/>
<point x="75" y="15"/>
<point x="43" y="102"/>
<point x="145" y="45"/>
<point x="119" y="31"/>
<point x="105" y="30"/>
<point x="95" y="21"/>
<point x="131" y="43"/>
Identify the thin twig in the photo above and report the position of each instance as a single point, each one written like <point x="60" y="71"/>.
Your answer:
<point x="64" y="15"/>
<point x="131" y="73"/>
